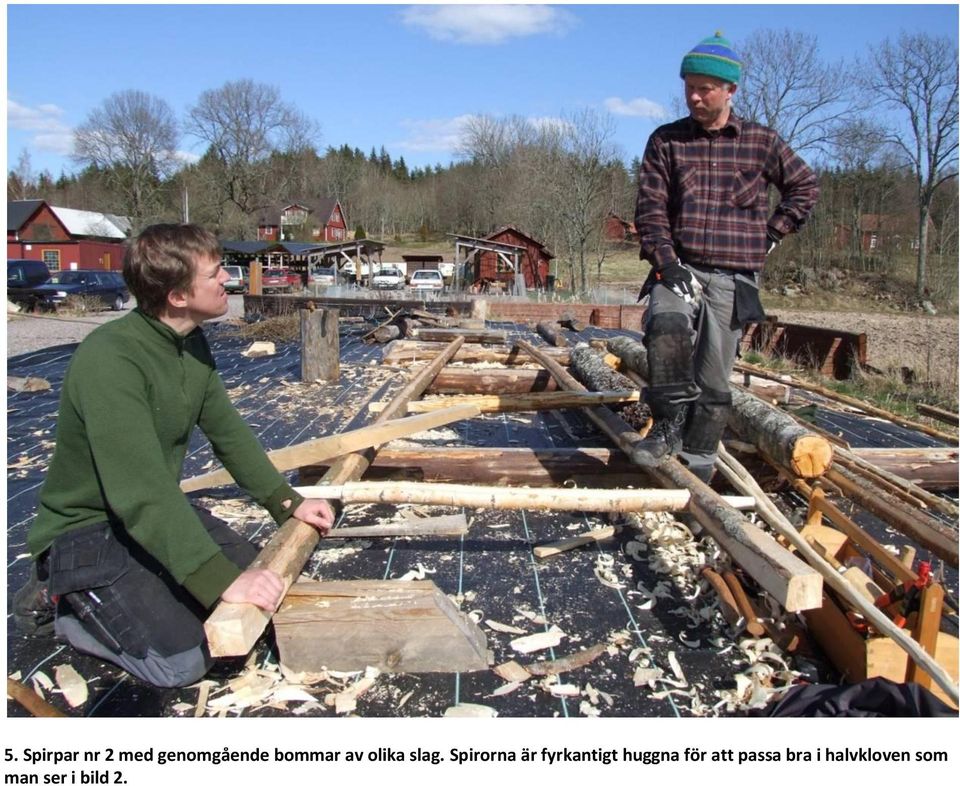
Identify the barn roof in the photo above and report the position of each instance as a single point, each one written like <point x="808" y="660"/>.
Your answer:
<point x="320" y="208"/>
<point x="20" y="211"/>
<point x="87" y="223"/>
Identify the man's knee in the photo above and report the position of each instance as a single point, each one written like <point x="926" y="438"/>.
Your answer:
<point x="669" y="339"/>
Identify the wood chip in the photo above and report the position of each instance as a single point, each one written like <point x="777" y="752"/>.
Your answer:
<point x="71" y="684"/>
<point x="511" y="671"/>
<point x="502" y="628"/>
<point x="569" y="663"/>
<point x="538" y="641"/>
<point x="470" y="711"/>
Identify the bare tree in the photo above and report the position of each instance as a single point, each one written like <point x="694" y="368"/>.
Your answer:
<point x="918" y="76"/>
<point x="581" y="183"/>
<point x="132" y="137"/>
<point x="244" y="123"/>
<point x="787" y="87"/>
<point x="21" y="181"/>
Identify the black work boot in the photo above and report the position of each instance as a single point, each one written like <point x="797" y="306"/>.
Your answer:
<point x="33" y="609"/>
<point x="664" y="440"/>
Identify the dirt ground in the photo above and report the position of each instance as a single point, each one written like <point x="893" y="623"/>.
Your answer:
<point x="927" y="345"/>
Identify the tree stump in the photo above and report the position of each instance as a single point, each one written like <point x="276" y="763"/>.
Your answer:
<point x="319" y="345"/>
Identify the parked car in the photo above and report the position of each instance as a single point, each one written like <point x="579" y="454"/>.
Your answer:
<point x="323" y="276"/>
<point x="22" y="276"/>
<point x="238" y="279"/>
<point x="426" y="280"/>
<point x="388" y="278"/>
<point x="280" y="279"/>
<point x="89" y="288"/>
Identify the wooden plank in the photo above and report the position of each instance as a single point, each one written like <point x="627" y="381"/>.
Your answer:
<point x="233" y="628"/>
<point x="520" y="402"/>
<point x="871" y="547"/>
<point x="934" y="469"/>
<point x="336" y="445"/>
<point x="395" y="626"/>
<point x="926" y="631"/>
<point x="792" y="582"/>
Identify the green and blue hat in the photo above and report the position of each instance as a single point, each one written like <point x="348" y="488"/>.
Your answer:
<point x="713" y="57"/>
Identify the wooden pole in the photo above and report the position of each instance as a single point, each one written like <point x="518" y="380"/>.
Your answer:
<point x="319" y="345"/>
<point x="521" y="402"/>
<point x="406" y="351"/>
<point x="924" y="529"/>
<point x="492" y="380"/>
<point x="793" y="583"/>
<point x="233" y="628"/>
<point x="506" y="498"/>
<point x="952" y="418"/>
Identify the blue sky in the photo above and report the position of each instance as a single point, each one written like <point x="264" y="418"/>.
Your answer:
<point x="400" y="76"/>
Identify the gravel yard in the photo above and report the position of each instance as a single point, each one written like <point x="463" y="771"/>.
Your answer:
<point x="29" y="332"/>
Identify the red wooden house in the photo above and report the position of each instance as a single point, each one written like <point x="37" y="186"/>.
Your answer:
<point x="64" y="238"/>
<point x="883" y="232"/>
<point x="534" y="259"/>
<point x="615" y="228"/>
<point x="320" y="220"/>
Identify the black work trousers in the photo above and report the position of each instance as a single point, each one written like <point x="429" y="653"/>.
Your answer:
<point x="119" y="604"/>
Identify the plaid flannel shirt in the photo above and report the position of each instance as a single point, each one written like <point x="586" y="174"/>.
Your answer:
<point x="703" y="195"/>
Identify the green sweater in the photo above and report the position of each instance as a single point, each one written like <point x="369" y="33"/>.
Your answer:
<point x="133" y="392"/>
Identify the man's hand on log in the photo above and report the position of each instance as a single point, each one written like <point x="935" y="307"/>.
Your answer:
<point x="261" y="587"/>
<point x="317" y="513"/>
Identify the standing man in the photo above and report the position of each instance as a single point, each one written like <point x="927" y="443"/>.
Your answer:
<point x="131" y="568"/>
<point x="704" y="225"/>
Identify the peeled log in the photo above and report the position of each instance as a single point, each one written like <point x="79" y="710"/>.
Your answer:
<point x="776" y="434"/>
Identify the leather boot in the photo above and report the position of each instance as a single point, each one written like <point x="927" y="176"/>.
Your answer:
<point x="664" y="440"/>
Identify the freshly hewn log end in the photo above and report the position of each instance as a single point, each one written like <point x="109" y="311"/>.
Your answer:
<point x="234" y="628"/>
<point x="812" y="456"/>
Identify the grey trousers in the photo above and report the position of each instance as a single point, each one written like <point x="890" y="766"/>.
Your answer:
<point x="119" y="604"/>
<point x="701" y="351"/>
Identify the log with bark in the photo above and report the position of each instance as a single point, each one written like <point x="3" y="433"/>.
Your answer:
<point x="589" y="367"/>
<point x="793" y="583"/>
<point x="935" y="469"/>
<point x="233" y="628"/>
<point x="550" y="332"/>
<point x="777" y="434"/>
<point x="950" y="439"/>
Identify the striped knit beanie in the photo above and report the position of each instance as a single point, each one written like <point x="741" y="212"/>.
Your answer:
<point x="713" y="57"/>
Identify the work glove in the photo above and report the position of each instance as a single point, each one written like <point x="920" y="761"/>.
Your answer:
<point x="681" y="281"/>
<point x="773" y="239"/>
